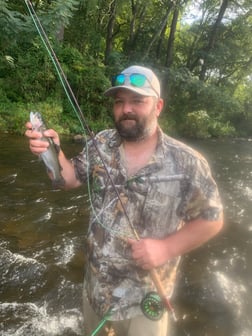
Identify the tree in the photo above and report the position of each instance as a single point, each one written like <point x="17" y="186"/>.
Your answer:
<point x="170" y="42"/>
<point x="110" y="30"/>
<point x="213" y="35"/>
<point x="162" y="26"/>
<point x="217" y="45"/>
<point x="202" y="63"/>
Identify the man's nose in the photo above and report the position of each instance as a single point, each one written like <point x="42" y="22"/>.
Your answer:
<point x="127" y="107"/>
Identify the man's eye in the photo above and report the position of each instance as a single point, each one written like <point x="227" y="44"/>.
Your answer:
<point x="118" y="101"/>
<point x="137" y="101"/>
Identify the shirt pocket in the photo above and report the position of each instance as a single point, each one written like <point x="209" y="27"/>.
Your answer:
<point x="159" y="215"/>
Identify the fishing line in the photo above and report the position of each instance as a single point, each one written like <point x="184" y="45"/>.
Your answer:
<point x="75" y="105"/>
<point x="64" y="82"/>
<point x="72" y="99"/>
<point x="44" y="38"/>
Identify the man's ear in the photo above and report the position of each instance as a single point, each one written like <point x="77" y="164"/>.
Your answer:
<point x="159" y="106"/>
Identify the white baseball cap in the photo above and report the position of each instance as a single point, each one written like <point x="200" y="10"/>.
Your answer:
<point x="137" y="79"/>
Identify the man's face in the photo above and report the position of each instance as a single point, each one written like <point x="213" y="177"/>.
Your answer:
<point x="135" y="115"/>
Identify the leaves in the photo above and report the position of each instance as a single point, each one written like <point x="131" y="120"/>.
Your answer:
<point x="205" y="64"/>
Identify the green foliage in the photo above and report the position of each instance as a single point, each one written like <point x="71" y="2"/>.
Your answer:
<point x="88" y="82"/>
<point x="200" y="125"/>
<point x="220" y="129"/>
<point x="10" y="21"/>
<point x="61" y="13"/>
<point x="207" y="84"/>
<point x="30" y="77"/>
<point x="86" y="29"/>
<point x="196" y="125"/>
<point x="188" y="94"/>
<point x="13" y="116"/>
<point x="168" y="125"/>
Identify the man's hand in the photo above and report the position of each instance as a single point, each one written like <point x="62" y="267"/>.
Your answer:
<point x="38" y="146"/>
<point x="149" y="253"/>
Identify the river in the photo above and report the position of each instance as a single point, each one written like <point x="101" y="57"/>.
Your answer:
<point x="42" y="256"/>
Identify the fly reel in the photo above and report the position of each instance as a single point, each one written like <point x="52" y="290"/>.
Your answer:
<point x="152" y="306"/>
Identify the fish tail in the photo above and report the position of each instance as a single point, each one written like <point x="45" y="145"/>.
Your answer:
<point x="58" y="183"/>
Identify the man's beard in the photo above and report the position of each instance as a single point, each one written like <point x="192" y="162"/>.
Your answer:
<point x="137" y="131"/>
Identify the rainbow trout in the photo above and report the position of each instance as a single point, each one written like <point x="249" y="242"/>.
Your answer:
<point x="49" y="157"/>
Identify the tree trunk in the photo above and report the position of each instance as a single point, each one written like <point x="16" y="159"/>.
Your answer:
<point x="60" y="34"/>
<point x="170" y="44"/>
<point x="138" y="10"/>
<point x="110" y="30"/>
<point x="159" y="31"/>
<point x="132" y="22"/>
<point x="213" y="37"/>
<point x="160" y="42"/>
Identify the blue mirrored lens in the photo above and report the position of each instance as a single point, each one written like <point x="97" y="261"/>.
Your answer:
<point x="119" y="80"/>
<point x="137" y="80"/>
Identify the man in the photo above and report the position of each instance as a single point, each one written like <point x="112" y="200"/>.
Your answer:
<point x="166" y="204"/>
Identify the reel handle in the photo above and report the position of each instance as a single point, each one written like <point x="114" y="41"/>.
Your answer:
<point x="161" y="292"/>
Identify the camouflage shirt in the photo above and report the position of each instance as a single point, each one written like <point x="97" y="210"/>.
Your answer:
<point x="176" y="186"/>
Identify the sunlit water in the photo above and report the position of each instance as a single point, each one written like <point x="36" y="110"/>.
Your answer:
<point x="42" y="250"/>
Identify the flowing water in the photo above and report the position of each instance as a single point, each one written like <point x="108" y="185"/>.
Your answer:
<point x="42" y="249"/>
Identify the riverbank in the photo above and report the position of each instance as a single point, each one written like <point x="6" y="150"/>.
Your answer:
<point x="59" y="116"/>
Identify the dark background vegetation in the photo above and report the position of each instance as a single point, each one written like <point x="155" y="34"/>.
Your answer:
<point x="201" y="50"/>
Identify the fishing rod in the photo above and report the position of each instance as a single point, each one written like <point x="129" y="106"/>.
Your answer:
<point x="72" y="99"/>
<point x="149" y="302"/>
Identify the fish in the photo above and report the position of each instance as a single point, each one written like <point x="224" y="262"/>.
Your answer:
<point x="50" y="156"/>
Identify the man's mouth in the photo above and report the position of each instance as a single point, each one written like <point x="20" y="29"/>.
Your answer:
<point x="128" y="121"/>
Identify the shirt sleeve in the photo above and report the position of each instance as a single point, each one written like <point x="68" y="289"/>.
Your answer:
<point x="82" y="163"/>
<point x="201" y="197"/>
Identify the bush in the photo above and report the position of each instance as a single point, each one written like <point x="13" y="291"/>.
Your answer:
<point x="196" y="125"/>
<point x="88" y="81"/>
<point x="14" y="115"/>
<point x="211" y="105"/>
<point x="200" y="125"/>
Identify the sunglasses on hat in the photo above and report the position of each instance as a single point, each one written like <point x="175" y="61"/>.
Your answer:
<point x="135" y="79"/>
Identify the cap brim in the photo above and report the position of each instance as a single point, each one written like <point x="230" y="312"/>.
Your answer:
<point x="143" y="92"/>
